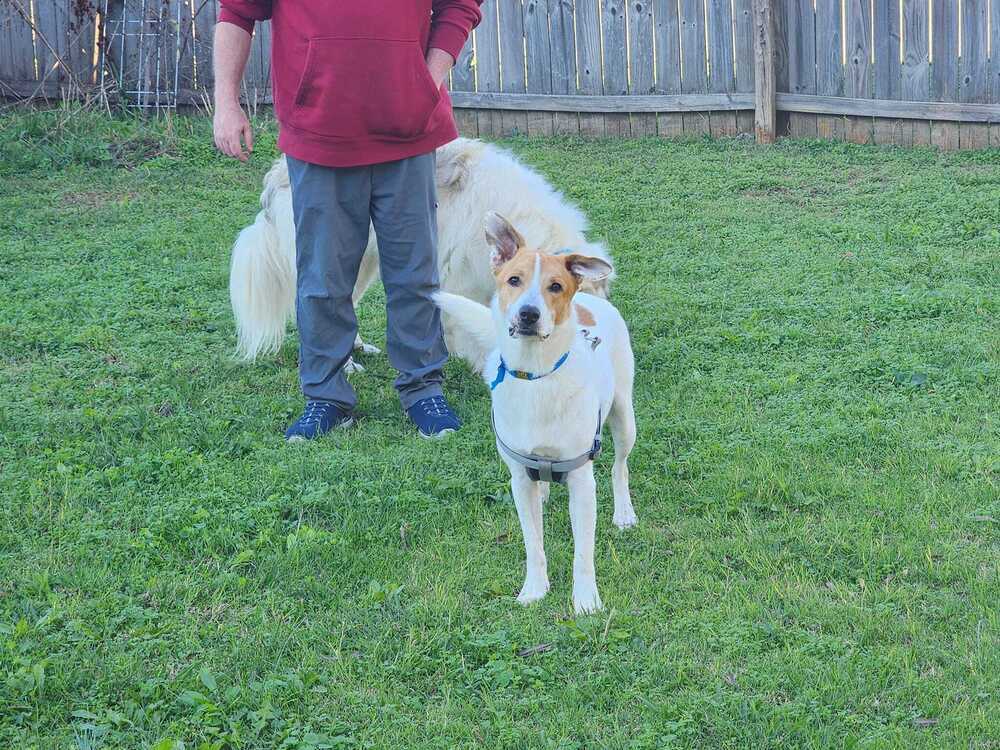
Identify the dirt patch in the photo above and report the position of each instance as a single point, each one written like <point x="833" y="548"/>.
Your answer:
<point x="96" y="198"/>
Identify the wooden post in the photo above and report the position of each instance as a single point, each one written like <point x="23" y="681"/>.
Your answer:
<point x="765" y="112"/>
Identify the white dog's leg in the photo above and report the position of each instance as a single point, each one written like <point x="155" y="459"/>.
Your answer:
<point x="367" y="273"/>
<point x="622" y="422"/>
<point x="583" y="519"/>
<point x="529" y="510"/>
<point x="543" y="491"/>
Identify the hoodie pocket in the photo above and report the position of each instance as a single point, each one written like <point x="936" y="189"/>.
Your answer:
<point x="352" y="88"/>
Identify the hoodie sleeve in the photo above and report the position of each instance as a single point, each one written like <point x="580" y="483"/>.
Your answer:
<point x="244" y="13"/>
<point x="451" y="22"/>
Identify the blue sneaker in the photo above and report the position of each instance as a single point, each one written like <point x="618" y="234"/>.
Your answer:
<point x="318" y="419"/>
<point x="433" y="417"/>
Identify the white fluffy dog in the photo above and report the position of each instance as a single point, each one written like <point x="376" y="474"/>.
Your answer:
<point x="473" y="178"/>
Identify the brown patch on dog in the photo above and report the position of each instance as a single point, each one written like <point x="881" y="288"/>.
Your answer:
<point x="557" y="283"/>
<point x="584" y="315"/>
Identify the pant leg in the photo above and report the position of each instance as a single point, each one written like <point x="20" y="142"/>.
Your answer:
<point x="331" y="210"/>
<point x="404" y="213"/>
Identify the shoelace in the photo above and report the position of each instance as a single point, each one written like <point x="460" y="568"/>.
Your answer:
<point x="435" y="406"/>
<point x="315" y="411"/>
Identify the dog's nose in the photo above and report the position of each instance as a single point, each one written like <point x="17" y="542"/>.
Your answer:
<point x="528" y="316"/>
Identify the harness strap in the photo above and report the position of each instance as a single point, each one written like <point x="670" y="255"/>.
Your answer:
<point x="543" y="469"/>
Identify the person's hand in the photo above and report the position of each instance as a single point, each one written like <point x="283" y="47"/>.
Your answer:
<point x="232" y="131"/>
<point x="439" y="65"/>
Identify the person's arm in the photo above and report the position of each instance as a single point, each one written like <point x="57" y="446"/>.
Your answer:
<point x="230" y="124"/>
<point x="233" y="34"/>
<point x="451" y="23"/>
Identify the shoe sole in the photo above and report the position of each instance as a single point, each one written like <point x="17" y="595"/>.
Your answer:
<point x="302" y="439"/>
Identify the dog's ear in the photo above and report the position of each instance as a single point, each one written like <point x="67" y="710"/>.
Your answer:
<point x="502" y="237"/>
<point x="452" y="171"/>
<point x="588" y="268"/>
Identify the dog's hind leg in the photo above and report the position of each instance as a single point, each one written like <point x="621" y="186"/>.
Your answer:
<point x="528" y="500"/>
<point x="622" y="423"/>
<point x="367" y="273"/>
<point x="583" y="519"/>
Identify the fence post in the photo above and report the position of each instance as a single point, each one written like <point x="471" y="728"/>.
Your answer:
<point x="765" y="112"/>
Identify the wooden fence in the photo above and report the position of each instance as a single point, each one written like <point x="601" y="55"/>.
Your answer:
<point x="886" y="71"/>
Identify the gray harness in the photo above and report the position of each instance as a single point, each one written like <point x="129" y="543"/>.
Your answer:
<point x="542" y="469"/>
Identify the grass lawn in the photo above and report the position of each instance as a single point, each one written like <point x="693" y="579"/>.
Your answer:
<point x="817" y="477"/>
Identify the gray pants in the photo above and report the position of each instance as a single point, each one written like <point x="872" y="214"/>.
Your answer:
<point x="332" y="208"/>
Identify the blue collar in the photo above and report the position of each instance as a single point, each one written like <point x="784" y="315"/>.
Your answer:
<point x="503" y="371"/>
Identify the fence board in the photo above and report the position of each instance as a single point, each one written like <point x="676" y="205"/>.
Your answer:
<point x="512" y="74"/>
<point x="614" y="34"/>
<point x="463" y="75"/>
<point x="694" y="61"/>
<point x="562" y="45"/>
<point x="204" y="29"/>
<point x="858" y="26"/>
<point x="915" y="85"/>
<point x="974" y="83"/>
<point x="79" y="41"/>
<point x="800" y="28"/>
<point x="667" y="41"/>
<point x="488" y="66"/>
<point x="588" y="40"/>
<point x="994" y="87"/>
<point x="50" y="40"/>
<point x="944" y="50"/>
<point x="538" y="55"/>
<point x="888" y="74"/>
<point x="743" y="64"/>
<point x="641" y="30"/>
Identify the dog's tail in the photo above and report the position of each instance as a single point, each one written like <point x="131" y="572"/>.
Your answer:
<point x="470" y="324"/>
<point x="262" y="277"/>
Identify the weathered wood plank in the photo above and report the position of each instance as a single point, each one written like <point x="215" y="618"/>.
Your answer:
<point x="186" y="42"/>
<point x="80" y="41"/>
<point x="467" y="121"/>
<point x="974" y="80"/>
<point x="693" y="58"/>
<point x="487" y="52"/>
<point x="765" y="112"/>
<point x="830" y="128"/>
<point x="50" y="40"/>
<point x="562" y="44"/>
<point x="463" y="74"/>
<point x="204" y="31"/>
<point x="722" y="124"/>
<point x="888" y="42"/>
<point x="588" y="41"/>
<point x="721" y="75"/>
<point x="511" y="20"/>
<point x="860" y="129"/>
<point x="608" y="104"/>
<point x="829" y="64"/>
<point x="915" y="85"/>
<point x="953" y="111"/>
<point x="513" y="123"/>
<point x="696" y="123"/>
<point x="744" y="122"/>
<point x="641" y="30"/>
<point x="743" y="64"/>
<point x="801" y="47"/>
<point x="800" y="29"/>
<point x="994" y="69"/>
<point x="566" y="123"/>
<point x="973" y="135"/>
<point x="780" y="20"/>
<point x="669" y="125"/>
<point x="944" y="54"/>
<point x="858" y="28"/>
<point x="538" y="53"/>
<point x="944" y="135"/>
<point x="921" y="133"/>
<point x="667" y="39"/>
<point x="614" y="33"/>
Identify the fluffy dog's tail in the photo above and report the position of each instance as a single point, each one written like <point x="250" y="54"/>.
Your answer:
<point x="470" y="324"/>
<point x="262" y="277"/>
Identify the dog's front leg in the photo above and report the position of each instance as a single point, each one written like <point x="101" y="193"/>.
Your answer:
<point x="583" y="519"/>
<point x="528" y="500"/>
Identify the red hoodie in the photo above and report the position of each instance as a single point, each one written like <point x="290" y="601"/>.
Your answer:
<point x="350" y="81"/>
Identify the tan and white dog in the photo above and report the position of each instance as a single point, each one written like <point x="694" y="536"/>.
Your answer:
<point x="559" y="362"/>
<point x="472" y="178"/>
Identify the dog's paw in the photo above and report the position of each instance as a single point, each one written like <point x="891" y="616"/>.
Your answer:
<point x="364" y="348"/>
<point x="543" y="491"/>
<point x="625" y="519"/>
<point x="351" y="367"/>
<point x="586" y="600"/>
<point x="532" y="591"/>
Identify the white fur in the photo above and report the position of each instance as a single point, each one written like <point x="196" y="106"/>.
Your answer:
<point x="472" y="178"/>
<point x="556" y="416"/>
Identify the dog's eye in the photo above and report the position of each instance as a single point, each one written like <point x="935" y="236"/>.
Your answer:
<point x="514" y="281"/>
<point x="555" y="287"/>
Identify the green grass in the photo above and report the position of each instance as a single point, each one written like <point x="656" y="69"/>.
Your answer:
<point x="817" y="475"/>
